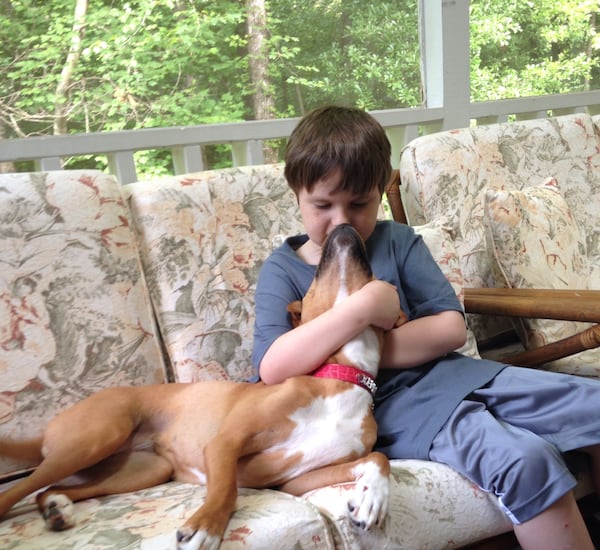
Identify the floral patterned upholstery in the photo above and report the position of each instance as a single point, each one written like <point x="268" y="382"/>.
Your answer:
<point x="431" y="507"/>
<point x="202" y="238"/>
<point x="446" y="175"/>
<point x="538" y="244"/>
<point x="437" y="235"/>
<point x="74" y="312"/>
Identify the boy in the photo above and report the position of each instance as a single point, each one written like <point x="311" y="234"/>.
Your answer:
<point x="503" y="427"/>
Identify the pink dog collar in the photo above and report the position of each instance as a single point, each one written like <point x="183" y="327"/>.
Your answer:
<point x="347" y="374"/>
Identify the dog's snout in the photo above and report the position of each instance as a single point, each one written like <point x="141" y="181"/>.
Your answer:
<point x="344" y="241"/>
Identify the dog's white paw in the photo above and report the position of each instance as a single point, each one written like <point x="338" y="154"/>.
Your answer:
<point x="187" y="539"/>
<point x="369" y="503"/>
<point x="58" y="512"/>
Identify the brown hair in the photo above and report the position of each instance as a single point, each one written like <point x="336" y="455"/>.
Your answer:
<point x="342" y="138"/>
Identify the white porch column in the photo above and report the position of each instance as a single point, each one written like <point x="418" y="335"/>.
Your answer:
<point x="444" y="37"/>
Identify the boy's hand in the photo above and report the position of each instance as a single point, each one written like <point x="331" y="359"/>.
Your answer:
<point x="381" y="303"/>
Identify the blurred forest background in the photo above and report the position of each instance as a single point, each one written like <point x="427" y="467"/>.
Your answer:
<point x="72" y="66"/>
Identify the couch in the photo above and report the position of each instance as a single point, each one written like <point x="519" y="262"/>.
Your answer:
<point x="103" y="285"/>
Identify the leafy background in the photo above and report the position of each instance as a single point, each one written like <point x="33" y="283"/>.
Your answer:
<point x="158" y="63"/>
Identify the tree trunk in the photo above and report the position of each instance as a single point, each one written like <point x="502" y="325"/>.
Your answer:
<point x="263" y="104"/>
<point x="61" y="102"/>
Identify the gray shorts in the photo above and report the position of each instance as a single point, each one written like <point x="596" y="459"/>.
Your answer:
<point x="508" y="436"/>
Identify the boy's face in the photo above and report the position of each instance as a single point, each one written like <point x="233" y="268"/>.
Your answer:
<point x="326" y="206"/>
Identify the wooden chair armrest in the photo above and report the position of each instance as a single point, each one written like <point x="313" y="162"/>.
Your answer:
<point x="569" y="305"/>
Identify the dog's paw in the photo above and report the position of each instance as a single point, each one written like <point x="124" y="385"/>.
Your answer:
<point x="58" y="512"/>
<point x="369" y="503"/>
<point x="190" y="539"/>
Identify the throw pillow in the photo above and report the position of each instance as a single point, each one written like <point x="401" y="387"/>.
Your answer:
<point x="438" y="238"/>
<point x="538" y="244"/>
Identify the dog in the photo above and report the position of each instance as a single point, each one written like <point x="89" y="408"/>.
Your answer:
<point x="307" y="432"/>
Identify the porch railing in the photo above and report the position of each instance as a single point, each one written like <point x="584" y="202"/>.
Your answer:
<point x="444" y="36"/>
<point x="247" y="138"/>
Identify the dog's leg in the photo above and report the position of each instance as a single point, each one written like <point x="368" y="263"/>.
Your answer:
<point x="204" y="530"/>
<point x="26" y="449"/>
<point x="369" y="502"/>
<point x="77" y="438"/>
<point x="120" y="473"/>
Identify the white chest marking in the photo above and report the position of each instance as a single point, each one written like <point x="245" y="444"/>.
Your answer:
<point x="327" y="429"/>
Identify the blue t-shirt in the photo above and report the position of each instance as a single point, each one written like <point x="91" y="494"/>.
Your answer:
<point x="411" y="405"/>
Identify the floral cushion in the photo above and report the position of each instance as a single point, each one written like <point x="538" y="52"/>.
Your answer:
<point x="538" y="244"/>
<point x="148" y="520"/>
<point x="74" y="311"/>
<point x="203" y="238"/>
<point x="437" y="235"/>
<point x="446" y="175"/>
<point x="431" y="506"/>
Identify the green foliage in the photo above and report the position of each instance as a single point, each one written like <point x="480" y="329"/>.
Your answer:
<point x="351" y="52"/>
<point x="144" y="63"/>
<point x="533" y="47"/>
<point x="157" y="63"/>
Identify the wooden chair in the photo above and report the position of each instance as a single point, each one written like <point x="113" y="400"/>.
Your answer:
<point x="570" y="305"/>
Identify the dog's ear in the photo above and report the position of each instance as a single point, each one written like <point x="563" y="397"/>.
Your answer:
<point x="295" y="311"/>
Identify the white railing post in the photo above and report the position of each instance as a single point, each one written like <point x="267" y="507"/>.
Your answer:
<point x="187" y="159"/>
<point x="49" y="163"/>
<point x="122" y="165"/>
<point x="247" y="153"/>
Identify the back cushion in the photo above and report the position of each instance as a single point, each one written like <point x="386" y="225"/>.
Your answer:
<point x="446" y="175"/>
<point x="74" y="311"/>
<point x="203" y="239"/>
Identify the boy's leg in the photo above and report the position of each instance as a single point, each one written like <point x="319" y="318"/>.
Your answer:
<point x="560" y="526"/>
<point x="561" y="408"/>
<point x="474" y="442"/>
<point x="527" y="473"/>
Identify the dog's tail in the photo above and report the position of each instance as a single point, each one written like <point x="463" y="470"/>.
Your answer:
<point x="26" y="449"/>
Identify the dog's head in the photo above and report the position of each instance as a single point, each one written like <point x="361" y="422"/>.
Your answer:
<point x="343" y="269"/>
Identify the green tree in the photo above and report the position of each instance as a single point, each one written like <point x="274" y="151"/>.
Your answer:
<point x="533" y="47"/>
<point x="347" y="51"/>
<point x="70" y="66"/>
<point x="141" y="63"/>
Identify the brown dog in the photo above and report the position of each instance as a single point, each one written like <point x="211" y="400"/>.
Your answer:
<point x="227" y="434"/>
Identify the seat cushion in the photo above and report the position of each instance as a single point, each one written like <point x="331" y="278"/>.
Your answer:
<point x="148" y="520"/>
<point x="431" y="506"/>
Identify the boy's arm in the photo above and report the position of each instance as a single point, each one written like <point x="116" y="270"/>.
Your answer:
<point x="303" y="349"/>
<point x="423" y="339"/>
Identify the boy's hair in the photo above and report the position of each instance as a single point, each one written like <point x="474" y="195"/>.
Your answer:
<point x="334" y="137"/>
